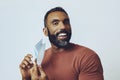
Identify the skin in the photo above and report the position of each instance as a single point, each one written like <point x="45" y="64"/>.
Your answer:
<point x="55" y="22"/>
<point x="30" y="70"/>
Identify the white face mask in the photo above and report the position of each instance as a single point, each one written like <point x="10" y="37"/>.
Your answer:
<point x="39" y="51"/>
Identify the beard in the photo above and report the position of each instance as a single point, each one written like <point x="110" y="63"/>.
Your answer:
<point x="53" y="38"/>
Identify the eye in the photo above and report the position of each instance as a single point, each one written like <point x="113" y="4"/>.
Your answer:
<point x="66" y="21"/>
<point x="55" y="23"/>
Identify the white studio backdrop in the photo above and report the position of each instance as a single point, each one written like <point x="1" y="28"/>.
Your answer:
<point x="95" y="24"/>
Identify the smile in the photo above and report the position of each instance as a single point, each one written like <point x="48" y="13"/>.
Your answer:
<point x="62" y="36"/>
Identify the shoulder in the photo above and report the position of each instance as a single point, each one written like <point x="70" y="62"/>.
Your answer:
<point x="82" y="50"/>
<point x="88" y="60"/>
<point x="86" y="56"/>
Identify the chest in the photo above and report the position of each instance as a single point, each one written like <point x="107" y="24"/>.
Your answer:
<point x="61" y="67"/>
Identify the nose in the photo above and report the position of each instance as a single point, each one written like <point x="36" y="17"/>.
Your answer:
<point x="62" y="25"/>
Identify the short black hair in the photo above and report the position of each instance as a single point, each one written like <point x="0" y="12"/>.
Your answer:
<point x="53" y="10"/>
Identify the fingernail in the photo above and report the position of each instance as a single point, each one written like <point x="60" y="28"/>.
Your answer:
<point x="28" y="67"/>
<point x="31" y="62"/>
<point x="23" y="66"/>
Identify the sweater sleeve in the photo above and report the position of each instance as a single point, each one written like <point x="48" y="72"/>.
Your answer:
<point x="91" y="68"/>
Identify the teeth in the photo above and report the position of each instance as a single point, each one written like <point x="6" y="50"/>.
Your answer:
<point x="62" y="34"/>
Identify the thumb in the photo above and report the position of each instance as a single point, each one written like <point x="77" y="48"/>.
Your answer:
<point x="43" y="75"/>
<point x="34" y="71"/>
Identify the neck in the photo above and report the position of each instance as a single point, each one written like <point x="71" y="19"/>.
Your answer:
<point x="57" y="49"/>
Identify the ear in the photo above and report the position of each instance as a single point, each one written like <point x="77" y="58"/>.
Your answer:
<point x="45" y="31"/>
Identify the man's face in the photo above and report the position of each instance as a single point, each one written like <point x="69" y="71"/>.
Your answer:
<point x="59" y="29"/>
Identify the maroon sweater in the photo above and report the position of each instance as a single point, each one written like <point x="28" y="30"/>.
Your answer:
<point x="75" y="63"/>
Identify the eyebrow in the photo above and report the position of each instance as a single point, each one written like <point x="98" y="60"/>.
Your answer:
<point x="55" y="20"/>
<point x="67" y="19"/>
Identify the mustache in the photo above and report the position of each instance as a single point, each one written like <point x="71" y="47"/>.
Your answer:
<point x="62" y="31"/>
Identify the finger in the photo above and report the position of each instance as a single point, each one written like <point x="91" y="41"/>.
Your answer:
<point x="35" y="60"/>
<point x="34" y="72"/>
<point x="29" y="55"/>
<point x="27" y="62"/>
<point x="43" y="75"/>
<point x="35" y="66"/>
<point x="25" y="66"/>
<point x="28" y="58"/>
<point x="22" y="66"/>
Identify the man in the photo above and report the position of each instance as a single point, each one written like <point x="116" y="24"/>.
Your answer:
<point x="63" y="60"/>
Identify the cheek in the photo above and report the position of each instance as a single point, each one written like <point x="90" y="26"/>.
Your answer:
<point x="53" y="30"/>
<point x="69" y="27"/>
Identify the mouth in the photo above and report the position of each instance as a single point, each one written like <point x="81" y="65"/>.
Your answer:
<point x="62" y="36"/>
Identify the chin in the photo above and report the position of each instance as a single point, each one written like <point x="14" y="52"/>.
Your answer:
<point x="62" y="44"/>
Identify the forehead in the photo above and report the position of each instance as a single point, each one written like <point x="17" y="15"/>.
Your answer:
<point x="57" y="15"/>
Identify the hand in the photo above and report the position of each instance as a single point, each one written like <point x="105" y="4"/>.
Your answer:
<point x="30" y="70"/>
<point x="37" y="73"/>
<point x="25" y="67"/>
